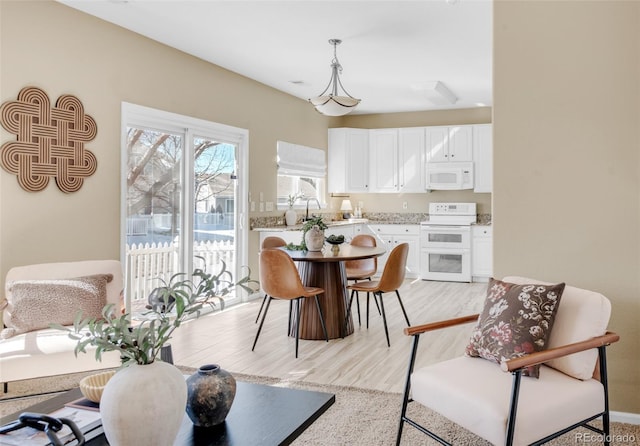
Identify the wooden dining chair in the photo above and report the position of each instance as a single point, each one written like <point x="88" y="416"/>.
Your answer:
<point x="391" y="279"/>
<point x="270" y="243"/>
<point x="280" y="279"/>
<point x="362" y="269"/>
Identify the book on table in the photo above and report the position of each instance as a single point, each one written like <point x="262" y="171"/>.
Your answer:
<point x="88" y="421"/>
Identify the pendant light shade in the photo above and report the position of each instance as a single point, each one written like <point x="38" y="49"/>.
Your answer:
<point x="330" y="102"/>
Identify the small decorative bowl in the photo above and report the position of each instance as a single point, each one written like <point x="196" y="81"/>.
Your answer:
<point x="92" y="386"/>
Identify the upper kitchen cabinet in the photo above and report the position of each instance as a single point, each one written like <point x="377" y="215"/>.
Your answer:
<point x="348" y="165"/>
<point x="383" y="159"/>
<point x="411" y="157"/>
<point x="483" y="157"/>
<point x="449" y="143"/>
<point x="397" y="160"/>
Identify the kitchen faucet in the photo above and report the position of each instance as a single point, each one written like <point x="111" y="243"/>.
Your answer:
<point x="308" y="200"/>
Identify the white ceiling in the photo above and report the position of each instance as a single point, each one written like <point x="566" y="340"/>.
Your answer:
<point x="391" y="51"/>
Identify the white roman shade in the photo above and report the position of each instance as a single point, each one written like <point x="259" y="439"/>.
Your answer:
<point x="302" y="161"/>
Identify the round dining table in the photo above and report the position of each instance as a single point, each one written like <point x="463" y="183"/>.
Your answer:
<point x="326" y="269"/>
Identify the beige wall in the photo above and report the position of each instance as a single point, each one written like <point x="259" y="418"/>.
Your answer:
<point x="566" y="146"/>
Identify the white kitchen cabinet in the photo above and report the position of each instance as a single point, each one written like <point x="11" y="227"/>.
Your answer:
<point x="481" y="252"/>
<point x="383" y="159"/>
<point x="396" y="160"/>
<point x="390" y="236"/>
<point x="445" y="144"/>
<point x="346" y="230"/>
<point x="348" y="160"/>
<point x="483" y="157"/>
<point x="411" y="158"/>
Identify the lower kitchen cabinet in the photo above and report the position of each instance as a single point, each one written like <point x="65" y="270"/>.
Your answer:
<point x="390" y="236"/>
<point x="481" y="253"/>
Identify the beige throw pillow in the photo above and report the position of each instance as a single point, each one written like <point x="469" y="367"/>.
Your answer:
<point x="34" y="304"/>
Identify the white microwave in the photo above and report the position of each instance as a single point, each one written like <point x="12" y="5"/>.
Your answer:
<point x="449" y="176"/>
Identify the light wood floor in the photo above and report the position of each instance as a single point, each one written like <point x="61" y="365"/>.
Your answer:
<point x="359" y="360"/>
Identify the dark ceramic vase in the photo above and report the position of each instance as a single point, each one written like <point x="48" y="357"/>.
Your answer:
<point x="210" y="393"/>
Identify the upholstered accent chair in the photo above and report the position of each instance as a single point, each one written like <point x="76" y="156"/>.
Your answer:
<point x="496" y="402"/>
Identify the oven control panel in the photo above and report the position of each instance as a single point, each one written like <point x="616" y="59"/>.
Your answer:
<point x="452" y="208"/>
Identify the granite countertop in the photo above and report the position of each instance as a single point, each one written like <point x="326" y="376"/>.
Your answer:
<point x="332" y="220"/>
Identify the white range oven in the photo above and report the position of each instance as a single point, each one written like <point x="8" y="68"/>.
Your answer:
<point x="445" y="242"/>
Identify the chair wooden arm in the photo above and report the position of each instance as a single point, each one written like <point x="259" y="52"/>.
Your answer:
<point x="419" y="329"/>
<point x="547" y="355"/>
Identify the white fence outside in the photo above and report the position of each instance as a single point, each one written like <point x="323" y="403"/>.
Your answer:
<point x="147" y="263"/>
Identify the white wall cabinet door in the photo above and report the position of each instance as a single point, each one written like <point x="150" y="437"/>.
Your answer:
<point x="348" y="155"/>
<point x="449" y="143"/>
<point x="411" y="159"/>
<point x="383" y="159"/>
<point x="461" y="143"/>
<point x="481" y="252"/>
<point x="483" y="157"/>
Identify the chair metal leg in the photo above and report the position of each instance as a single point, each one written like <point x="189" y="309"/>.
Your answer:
<point x="346" y="318"/>
<point x="264" y="315"/>
<point x="513" y="409"/>
<point x="264" y="299"/>
<point x="324" y="327"/>
<point x="289" y="323"/>
<point x="368" y="309"/>
<point x="406" y="318"/>
<point x="297" y="324"/>
<point x="358" y="306"/>
<point x="407" y="387"/>
<point x="384" y="318"/>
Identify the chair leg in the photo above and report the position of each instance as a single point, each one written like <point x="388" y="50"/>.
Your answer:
<point x="264" y="315"/>
<point x="297" y="324"/>
<point x="324" y="327"/>
<point x="368" y="309"/>
<point x="289" y="323"/>
<point x="358" y="306"/>
<point x="406" y="318"/>
<point x="346" y="318"/>
<point x="384" y="318"/>
<point x="407" y="387"/>
<point x="264" y="299"/>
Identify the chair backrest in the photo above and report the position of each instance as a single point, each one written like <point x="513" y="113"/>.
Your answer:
<point x="279" y="276"/>
<point x="364" y="265"/>
<point x="582" y="315"/>
<point x="395" y="268"/>
<point x="272" y="242"/>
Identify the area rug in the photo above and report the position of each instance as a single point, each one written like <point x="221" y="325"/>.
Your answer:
<point x="358" y="417"/>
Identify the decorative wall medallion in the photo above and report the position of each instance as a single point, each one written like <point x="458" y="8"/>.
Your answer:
<point x="50" y="141"/>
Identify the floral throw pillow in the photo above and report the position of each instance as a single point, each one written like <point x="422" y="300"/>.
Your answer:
<point x="516" y="320"/>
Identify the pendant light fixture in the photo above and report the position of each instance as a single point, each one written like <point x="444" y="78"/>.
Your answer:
<point x="329" y="102"/>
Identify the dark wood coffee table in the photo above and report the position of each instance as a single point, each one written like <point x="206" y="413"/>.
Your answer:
<point x="260" y="415"/>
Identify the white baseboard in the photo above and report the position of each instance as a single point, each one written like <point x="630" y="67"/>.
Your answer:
<point x="625" y="417"/>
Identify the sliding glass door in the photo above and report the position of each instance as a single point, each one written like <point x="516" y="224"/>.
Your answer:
<point x="181" y="183"/>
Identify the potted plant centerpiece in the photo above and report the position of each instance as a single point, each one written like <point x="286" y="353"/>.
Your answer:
<point x="145" y="401"/>
<point x="313" y="233"/>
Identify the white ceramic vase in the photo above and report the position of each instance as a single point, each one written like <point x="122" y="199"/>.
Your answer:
<point x="144" y="405"/>
<point x="314" y="239"/>
<point x="290" y="217"/>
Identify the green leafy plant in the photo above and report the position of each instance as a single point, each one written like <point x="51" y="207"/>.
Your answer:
<point x="169" y="306"/>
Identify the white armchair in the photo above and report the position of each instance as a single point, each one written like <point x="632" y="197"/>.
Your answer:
<point x="498" y="404"/>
